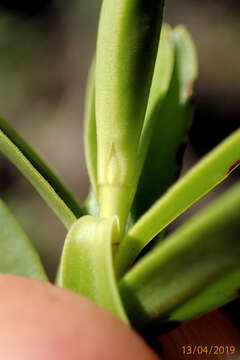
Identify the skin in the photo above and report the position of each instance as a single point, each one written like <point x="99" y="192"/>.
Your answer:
<point x="42" y="322"/>
<point x="39" y="321"/>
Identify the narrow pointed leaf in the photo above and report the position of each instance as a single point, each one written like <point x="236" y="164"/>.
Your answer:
<point x="90" y="131"/>
<point x="127" y="44"/>
<point x="220" y="292"/>
<point x="194" y="271"/>
<point x="15" y="148"/>
<point x="87" y="266"/>
<point x="203" y="177"/>
<point x="17" y="255"/>
<point x="168" y="118"/>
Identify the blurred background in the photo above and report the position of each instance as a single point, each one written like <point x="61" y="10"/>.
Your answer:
<point x="46" y="47"/>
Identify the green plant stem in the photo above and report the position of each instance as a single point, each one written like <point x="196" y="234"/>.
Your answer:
<point x="114" y="200"/>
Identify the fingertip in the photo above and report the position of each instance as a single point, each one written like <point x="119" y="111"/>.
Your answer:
<point x="40" y="321"/>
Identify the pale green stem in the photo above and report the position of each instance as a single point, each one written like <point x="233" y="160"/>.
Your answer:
<point x="114" y="200"/>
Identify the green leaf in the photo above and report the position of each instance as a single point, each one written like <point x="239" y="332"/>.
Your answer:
<point x="17" y="255"/>
<point x="90" y="131"/>
<point x="215" y="295"/>
<point x="126" y="52"/>
<point x="15" y="148"/>
<point x="203" y="177"/>
<point x="87" y="265"/>
<point x="192" y="272"/>
<point x="168" y="118"/>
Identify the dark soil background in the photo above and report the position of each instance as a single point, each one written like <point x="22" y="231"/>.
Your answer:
<point x="45" y="50"/>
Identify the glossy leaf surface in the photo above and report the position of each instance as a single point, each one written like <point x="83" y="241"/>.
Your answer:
<point x="17" y="255"/>
<point x="87" y="266"/>
<point x="90" y="131"/>
<point x="128" y="38"/>
<point x="192" y="272"/>
<point x="168" y="118"/>
<point x="39" y="175"/>
<point x="203" y="177"/>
